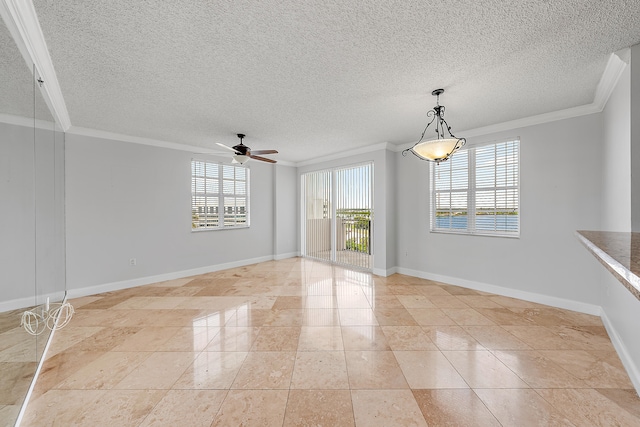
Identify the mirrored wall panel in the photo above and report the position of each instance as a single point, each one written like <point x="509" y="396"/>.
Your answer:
<point x="32" y="249"/>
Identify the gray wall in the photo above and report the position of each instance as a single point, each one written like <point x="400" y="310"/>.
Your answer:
<point x="560" y="188"/>
<point x="621" y="310"/>
<point x="391" y="209"/>
<point x="17" y="248"/>
<point x="129" y="200"/>
<point x="634" y="113"/>
<point x="32" y="215"/>
<point x="286" y="216"/>
<point x="616" y="158"/>
<point x="49" y="215"/>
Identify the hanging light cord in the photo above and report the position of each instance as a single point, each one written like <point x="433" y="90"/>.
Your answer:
<point x="56" y="317"/>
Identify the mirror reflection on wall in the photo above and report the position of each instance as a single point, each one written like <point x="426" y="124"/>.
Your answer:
<point x="32" y="243"/>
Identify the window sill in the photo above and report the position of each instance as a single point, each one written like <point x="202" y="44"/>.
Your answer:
<point x="201" y="230"/>
<point x="464" y="233"/>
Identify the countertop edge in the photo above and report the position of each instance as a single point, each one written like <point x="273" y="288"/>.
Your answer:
<point x="630" y="280"/>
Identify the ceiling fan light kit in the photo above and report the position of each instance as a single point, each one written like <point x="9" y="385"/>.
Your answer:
<point x="442" y="147"/>
<point x="242" y="153"/>
<point x="239" y="158"/>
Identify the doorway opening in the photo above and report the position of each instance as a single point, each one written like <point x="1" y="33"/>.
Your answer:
<point x="337" y="215"/>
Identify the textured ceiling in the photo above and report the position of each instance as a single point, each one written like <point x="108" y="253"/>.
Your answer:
<point x="16" y="82"/>
<point x="311" y="78"/>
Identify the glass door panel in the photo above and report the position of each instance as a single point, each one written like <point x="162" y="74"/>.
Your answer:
<point x="317" y="215"/>
<point x="338" y="215"/>
<point x="354" y="209"/>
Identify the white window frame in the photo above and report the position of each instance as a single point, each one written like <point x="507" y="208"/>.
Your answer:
<point x="212" y="187"/>
<point x="472" y="190"/>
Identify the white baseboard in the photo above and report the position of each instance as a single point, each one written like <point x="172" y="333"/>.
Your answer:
<point x="383" y="272"/>
<point x="286" y="255"/>
<point x="507" y="292"/>
<point x="630" y="365"/>
<point x="31" y="301"/>
<point x="125" y="284"/>
<point x="15" y="304"/>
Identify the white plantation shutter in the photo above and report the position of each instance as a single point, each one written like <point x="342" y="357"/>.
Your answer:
<point x="219" y="196"/>
<point x="478" y="191"/>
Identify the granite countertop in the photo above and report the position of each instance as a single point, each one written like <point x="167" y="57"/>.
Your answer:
<point x="619" y="252"/>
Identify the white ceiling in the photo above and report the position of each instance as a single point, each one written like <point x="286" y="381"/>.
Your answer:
<point x="312" y="78"/>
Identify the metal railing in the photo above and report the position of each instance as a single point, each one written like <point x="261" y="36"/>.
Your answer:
<point x="354" y="234"/>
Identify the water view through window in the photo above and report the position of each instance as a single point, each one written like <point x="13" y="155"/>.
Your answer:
<point x="477" y="191"/>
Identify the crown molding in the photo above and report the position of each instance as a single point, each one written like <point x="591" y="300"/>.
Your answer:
<point x="606" y="85"/>
<point x="16" y="120"/>
<point x="400" y="147"/>
<point x="342" y="154"/>
<point x="94" y="133"/>
<point x="76" y="130"/>
<point x="618" y="61"/>
<point x="22" y="22"/>
<point x="615" y="66"/>
<point x="28" y="122"/>
<point x="80" y="131"/>
<point x="553" y="116"/>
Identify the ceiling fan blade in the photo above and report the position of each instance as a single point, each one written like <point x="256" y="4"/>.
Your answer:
<point x="264" y="151"/>
<point x="225" y="146"/>
<point x="264" y="159"/>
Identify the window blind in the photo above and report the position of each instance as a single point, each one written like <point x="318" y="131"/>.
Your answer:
<point x="477" y="191"/>
<point x="219" y="195"/>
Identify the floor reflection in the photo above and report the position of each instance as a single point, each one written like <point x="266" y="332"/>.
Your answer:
<point x="299" y="341"/>
<point x="19" y="356"/>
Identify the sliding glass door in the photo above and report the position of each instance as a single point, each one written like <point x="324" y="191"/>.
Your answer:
<point x="338" y="215"/>
<point x="317" y="215"/>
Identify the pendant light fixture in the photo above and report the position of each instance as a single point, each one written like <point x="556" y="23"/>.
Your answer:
<point x="441" y="147"/>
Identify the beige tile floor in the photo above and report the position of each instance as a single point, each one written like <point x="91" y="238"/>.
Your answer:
<point x="19" y="356"/>
<point x="299" y="342"/>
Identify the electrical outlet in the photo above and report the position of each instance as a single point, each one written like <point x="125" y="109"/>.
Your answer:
<point x="132" y="261"/>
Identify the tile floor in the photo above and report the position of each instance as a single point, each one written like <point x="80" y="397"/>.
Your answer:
<point x="19" y="356"/>
<point x="298" y="342"/>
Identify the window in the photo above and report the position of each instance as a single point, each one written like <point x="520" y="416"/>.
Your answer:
<point x="477" y="191"/>
<point x="219" y="196"/>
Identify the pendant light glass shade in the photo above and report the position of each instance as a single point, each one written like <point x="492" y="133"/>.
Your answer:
<point x="442" y="147"/>
<point x="437" y="150"/>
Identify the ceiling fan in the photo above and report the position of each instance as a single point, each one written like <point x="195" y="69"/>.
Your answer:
<point x="244" y="153"/>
